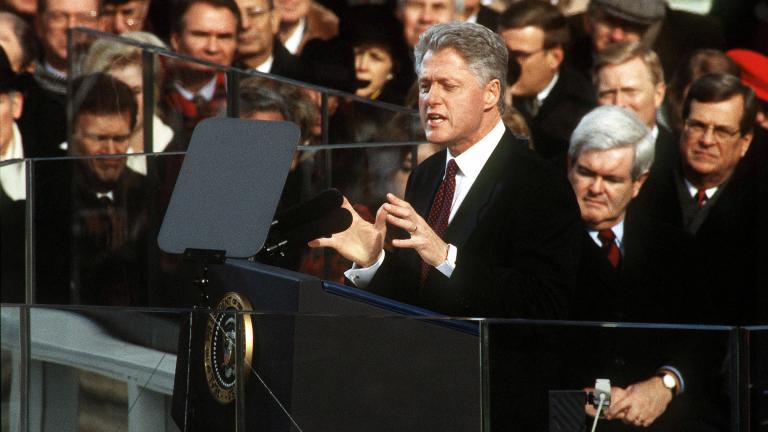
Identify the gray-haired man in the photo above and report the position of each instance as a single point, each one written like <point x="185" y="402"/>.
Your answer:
<point x="488" y="228"/>
<point x="633" y="269"/>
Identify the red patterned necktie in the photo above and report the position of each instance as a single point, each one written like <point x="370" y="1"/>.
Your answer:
<point x="441" y="208"/>
<point x="701" y="197"/>
<point x="611" y="250"/>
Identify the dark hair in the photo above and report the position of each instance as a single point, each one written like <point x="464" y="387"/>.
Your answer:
<point x="718" y="88"/>
<point x="183" y="6"/>
<point x="698" y="63"/>
<point x="376" y="25"/>
<point x="99" y="93"/>
<point x="536" y="13"/>
<point x="254" y="98"/>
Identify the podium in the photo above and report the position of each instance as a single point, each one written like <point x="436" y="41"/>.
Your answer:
<point x="330" y="357"/>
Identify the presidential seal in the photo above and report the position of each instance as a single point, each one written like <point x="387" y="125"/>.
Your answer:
<point x="225" y="329"/>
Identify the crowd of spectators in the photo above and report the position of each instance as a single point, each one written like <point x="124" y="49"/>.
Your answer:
<point x="643" y="56"/>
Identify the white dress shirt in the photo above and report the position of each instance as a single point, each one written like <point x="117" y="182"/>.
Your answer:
<point x="294" y="40"/>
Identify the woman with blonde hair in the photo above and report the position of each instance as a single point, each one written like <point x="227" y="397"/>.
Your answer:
<point x="124" y="62"/>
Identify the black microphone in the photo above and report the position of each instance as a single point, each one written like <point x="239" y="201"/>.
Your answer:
<point x="334" y="221"/>
<point x="308" y="211"/>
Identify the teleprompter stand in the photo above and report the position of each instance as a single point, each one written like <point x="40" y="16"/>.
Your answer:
<point x="222" y="207"/>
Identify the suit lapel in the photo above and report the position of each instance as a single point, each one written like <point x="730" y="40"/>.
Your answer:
<point x="472" y="208"/>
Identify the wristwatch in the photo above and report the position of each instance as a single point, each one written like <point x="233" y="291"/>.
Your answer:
<point x="669" y="381"/>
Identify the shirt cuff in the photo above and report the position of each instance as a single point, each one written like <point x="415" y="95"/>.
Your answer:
<point x="362" y="276"/>
<point x="678" y="375"/>
<point x="449" y="265"/>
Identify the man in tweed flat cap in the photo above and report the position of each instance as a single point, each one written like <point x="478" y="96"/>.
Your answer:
<point x="652" y="22"/>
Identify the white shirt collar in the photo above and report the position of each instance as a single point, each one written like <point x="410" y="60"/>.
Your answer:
<point x="692" y="190"/>
<point x="13" y="177"/>
<point x="266" y="65"/>
<point x="548" y="89"/>
<point x="472" y="19"/>
<point x="471" y="162"/>
<point x="207" y="92"/>
<point x="655" y="132"/>
<point x="618" y="231"/>
<point x="53" y="71"/>
<point x="293" y="42"/>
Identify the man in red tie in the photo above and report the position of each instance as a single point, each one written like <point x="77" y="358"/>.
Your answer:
<point x="206" y="30"/>
<point x="719" y="199"/>
<point x="633" y="270"/>
<point x="486" y="228"/>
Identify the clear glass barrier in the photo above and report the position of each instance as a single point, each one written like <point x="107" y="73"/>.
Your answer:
<point x="755" y="411"/>
<point x="358" y="366"/>
<point x="10" y="368"/>
<point x="94" y="236"/>
<point x="95" y="221"/>
<point x="537" y="373"/>
<point x="326" y="116"/>
<point x="117" y="369"/>
<point x="13" y="193"/>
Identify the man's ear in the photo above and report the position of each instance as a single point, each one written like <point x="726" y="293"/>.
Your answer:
<point x="658" y="94"/>
<point x="556" y="56"/>
<point x="746" y="140"/>
<point x="174" y="41"/>
<point x="492" y="94"/>
<point x="638" y="184"/>
<point x="275" y="20"/>
<point x="17" y="104"/>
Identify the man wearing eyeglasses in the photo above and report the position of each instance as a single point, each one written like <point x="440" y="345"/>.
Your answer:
<point x="46" y="94"/>
<point x="713" y="197"/>
<point x="258" y="46"/>
<point x="550" y="94"/>
<point x="121" y="16"/>
<point x="91" y="229"/>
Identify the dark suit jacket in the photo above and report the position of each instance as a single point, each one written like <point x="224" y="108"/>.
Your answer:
<point x="728" y="238"/>
<point x="100" y="252"/>
<point x="12" y="233"/>
<point x="488" y="17"/>
<point x="43" y="107"/>
<point x="652" y="285"/>
<point x="650" y="278"/>
<point x="517" y="232"/>
<point x="570" y="98"/>
<point x="284" y="64"/>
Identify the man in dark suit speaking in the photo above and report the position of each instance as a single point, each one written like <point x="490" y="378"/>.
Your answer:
<point x="490" y="229"/>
